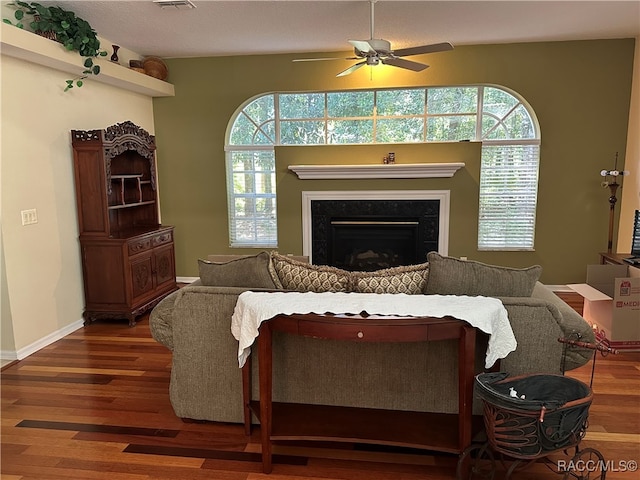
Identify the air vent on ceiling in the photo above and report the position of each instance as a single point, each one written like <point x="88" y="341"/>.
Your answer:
<point x="178" y="4"/>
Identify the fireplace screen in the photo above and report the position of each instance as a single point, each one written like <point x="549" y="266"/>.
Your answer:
<point x="369" y="235"/>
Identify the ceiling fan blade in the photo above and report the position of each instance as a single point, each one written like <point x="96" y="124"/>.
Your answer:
<point x="402" y="63"/>
<point x="436" y="47"/>
<point x="351" y="69"/>
<point x="319" y="59"/>
<point x="362" y="46"/>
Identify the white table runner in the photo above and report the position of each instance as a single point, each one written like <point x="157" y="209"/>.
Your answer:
<point x="485" y="313"/>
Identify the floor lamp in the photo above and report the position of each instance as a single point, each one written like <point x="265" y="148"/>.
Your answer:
<point x="613" y="188"/>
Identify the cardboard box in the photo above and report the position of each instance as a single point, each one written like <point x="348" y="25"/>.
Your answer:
<point x="612" y="304"/>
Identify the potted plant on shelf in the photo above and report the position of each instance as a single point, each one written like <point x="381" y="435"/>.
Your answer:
<point x="65" y="27"/>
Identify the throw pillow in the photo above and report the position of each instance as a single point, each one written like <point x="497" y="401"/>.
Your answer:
<point x="411" y="279"/>
<point x="304" y="277"/>
<point x="451" y="276"/>
<point x="251" y="272"/>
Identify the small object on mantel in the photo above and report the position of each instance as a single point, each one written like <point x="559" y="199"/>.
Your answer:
<point x="114" y="57"/>
<point x="155" y="67"/>
<point x="136" y="65"/>
<point x="389" y="159"/>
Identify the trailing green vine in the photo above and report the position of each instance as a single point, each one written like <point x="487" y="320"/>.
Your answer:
<point x="63" y="26"/>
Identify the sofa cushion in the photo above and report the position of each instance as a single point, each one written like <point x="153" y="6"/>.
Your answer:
<point x="411" y="279"/>
<point x="304" y="277"/>
<point x="451" y="276"/>
<point x="250" y="271"/>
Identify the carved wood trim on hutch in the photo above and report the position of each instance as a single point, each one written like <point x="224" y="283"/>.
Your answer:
<point x="128" y="258"/>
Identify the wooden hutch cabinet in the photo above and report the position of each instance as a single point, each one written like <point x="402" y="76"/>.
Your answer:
<point x="128" y="260"/>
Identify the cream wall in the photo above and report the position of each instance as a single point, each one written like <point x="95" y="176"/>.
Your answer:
<point x="42" y="296"/>
<point x="630" y="193"/>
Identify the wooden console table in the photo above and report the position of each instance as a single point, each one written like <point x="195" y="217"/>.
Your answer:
<point x="430" y="431"/>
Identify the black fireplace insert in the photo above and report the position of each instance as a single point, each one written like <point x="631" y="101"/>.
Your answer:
<point x="367" y="235"/>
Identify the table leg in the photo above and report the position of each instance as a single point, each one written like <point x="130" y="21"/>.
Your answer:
<point x="246" y="395"/>
<point x="266" y="385"/>
<point x="466" y="361"/>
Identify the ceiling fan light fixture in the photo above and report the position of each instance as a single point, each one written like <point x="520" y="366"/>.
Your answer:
<point x="177" y="4"/>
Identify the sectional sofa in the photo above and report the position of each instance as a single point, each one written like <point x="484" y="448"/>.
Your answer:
<point x="206" y="381"/>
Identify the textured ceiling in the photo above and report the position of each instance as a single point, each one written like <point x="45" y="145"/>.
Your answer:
<point x="218" y="28"/>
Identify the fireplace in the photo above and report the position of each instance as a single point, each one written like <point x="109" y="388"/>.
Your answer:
<point x="368" y="231"/>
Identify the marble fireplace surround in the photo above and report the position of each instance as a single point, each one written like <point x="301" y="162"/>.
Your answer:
<point x="398" y="195"/>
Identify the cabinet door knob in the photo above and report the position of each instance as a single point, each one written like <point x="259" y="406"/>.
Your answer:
<point x="360" y="334"/>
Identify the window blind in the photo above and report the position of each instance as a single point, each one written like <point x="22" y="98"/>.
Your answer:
<point x="508" y="197"/>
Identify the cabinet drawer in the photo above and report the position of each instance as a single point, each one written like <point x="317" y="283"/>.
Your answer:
<point x="364" y="333"/>
<point x="161" y="239"/>
<point x="139" y="245"/>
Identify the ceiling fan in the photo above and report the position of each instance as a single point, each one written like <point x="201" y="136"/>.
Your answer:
<point x="377" y="50"/>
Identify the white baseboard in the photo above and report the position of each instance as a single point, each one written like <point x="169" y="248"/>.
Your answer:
<point x="186" y="279"/>
<point x="8" y="355"/>
<point x="24" y="352"/>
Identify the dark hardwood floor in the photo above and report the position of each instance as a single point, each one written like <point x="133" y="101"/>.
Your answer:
<point x="95" y="405"/>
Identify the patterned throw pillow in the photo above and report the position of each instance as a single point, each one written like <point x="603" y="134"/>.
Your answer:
<point x="304" y="277"/>
<point x="411" y="280"/>
<point x="451" y="276"/>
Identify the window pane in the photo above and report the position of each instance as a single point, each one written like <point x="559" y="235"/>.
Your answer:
<point x="266" y="207"/>
<point x="400" y="102"/>
<point x="247" y="132"/>
<point x="519" y="124"/>
<point x="498" y="101"/>
<point x="452" y="100"/>
<point x="243" y="183"/>
<point x="454" y="128"/>
<point x="242" y="131"/>
<point x="265" y="231"/>
<point x="301" y="132"/>
<point x="400" y="130"/>
<point x="265" y="135"/>
<point x="350" y="131"/>
<point x="261" y="109"/>
<point x="265" y="161"/>
<point x="301" y="105"/>
<point x="350" y="104"/>
<point x="243" y="207"/>
<point x="264" y="182"/>
<point x="245" y="230"/>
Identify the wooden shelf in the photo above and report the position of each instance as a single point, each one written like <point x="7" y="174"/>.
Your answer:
<point x="129" y="205"/>
<point x="26" y="45"/>
<point x="125" y="177"/>
<point x="420" y="430"/>
<point x="378" y="170"/>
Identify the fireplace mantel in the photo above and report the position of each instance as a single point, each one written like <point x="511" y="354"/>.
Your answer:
<point x="378" y="170"/>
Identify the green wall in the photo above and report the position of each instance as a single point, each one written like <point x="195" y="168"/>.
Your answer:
<point x="579" y="90"/>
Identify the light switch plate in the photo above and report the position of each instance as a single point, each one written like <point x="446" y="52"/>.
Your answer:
<point x="29" y="217"/>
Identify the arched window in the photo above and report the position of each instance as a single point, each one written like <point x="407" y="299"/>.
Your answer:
<point x="504" y="123"/>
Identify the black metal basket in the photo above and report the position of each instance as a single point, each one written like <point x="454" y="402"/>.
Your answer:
<point x="552" y="415"/>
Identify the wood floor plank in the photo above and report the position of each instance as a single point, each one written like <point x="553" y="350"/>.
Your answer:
<point x="82" y="370"/>
<point x="95" y="405"/>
